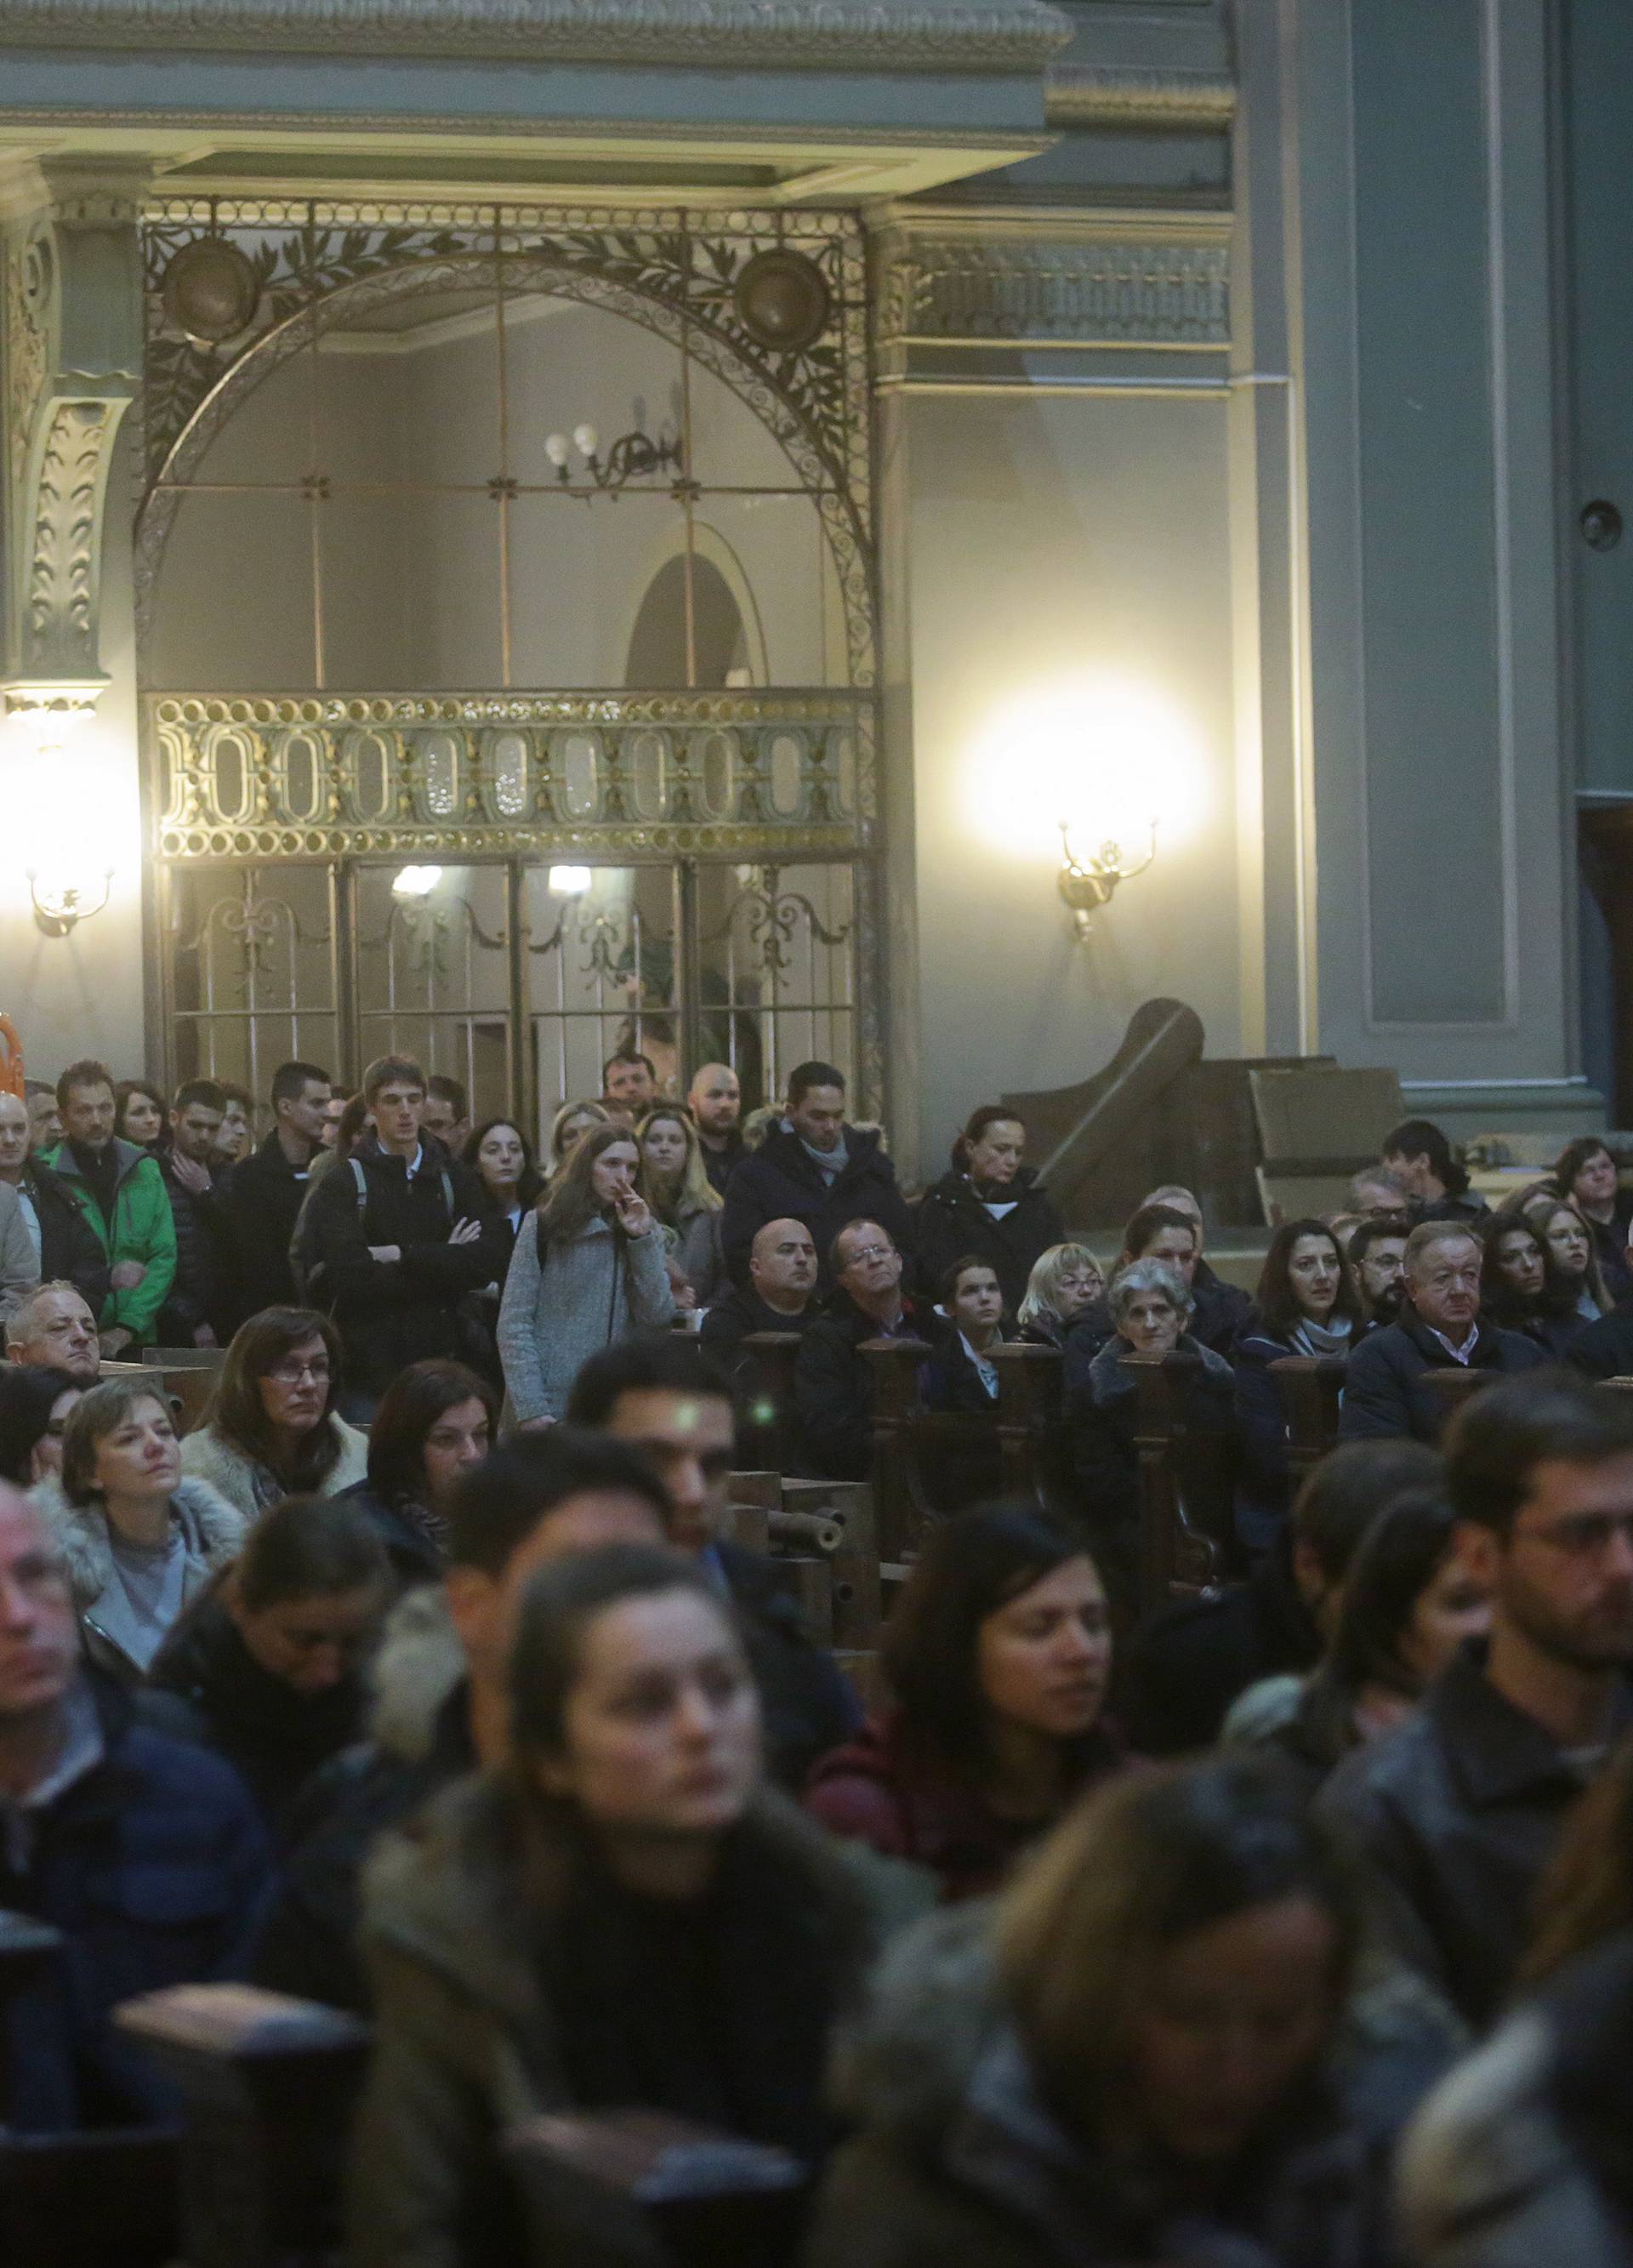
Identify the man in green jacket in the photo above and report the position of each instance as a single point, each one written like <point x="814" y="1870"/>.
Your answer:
<point x="121" y="1193"/>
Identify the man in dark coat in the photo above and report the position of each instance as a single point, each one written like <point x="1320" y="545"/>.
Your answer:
<point x="780" y="1297"/>
<point x="265" y="1192"/>
<point x="1439" y="1326"/>
<point x="68" y="1249"/>
<point x="198" y="1310"/>
<point x="833" y="1382"/>
<point x="145" y="1854"/>
<point x="1457" y="1812"/>
<point x="815" y="1168"/>
<point x="988" y="1207"/>
<point x="715" y="1099"/>
<point x="402" y="1235"/>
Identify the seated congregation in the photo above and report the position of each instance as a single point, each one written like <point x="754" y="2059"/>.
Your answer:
<point x="994" y="1752"/>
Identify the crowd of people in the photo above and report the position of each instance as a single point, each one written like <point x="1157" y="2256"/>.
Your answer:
<point x="1290" y="1922"/>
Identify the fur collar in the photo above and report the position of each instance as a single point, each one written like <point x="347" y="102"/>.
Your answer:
<point x="419" y="1664"/>
<point x="213" y="1528"/>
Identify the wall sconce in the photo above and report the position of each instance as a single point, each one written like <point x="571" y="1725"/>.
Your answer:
<point x="47" y="722"/>
<point x="631" y="457"/>
<point x="60" y="906"/>
<point x="1086" y="886"/>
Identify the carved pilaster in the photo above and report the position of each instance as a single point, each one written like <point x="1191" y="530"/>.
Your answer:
<point x="73" y="362"/>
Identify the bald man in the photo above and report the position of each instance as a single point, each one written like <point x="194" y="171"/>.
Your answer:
<point x="716" y="1102"/>
<point x="781" y="1295"/>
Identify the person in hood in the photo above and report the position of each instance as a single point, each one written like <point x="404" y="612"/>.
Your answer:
<point x="1306" y="1305"/>
<point x="121" y="1193"/>
<point x="1150" y="1306"/>
<point x="622" y="1918"/>
<point x="262" y="1200"/>
<point x="144" y="1852"/>
<point x="816" y="1169"/>
<point x="140" y="1541"/>
<point x="1162" y="2048"/>
<point x="272" y="1428"/>
<point x="401" y="1236"/>
<point x="997" y="1656"/>
<point x="271" y="1658"/>
<point x="989" y="1204"/>
<point x="440" y="1707"/>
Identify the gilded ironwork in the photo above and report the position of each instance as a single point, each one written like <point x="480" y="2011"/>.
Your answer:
<point x="314" y="776"/>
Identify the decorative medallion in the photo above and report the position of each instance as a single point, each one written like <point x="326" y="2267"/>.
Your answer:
<point x="210" y="290"/>
<point x="782" y="300"/>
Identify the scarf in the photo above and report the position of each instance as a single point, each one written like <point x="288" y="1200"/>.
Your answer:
<point x="1312" y="1337"/>
<point x="829" y="1163"/>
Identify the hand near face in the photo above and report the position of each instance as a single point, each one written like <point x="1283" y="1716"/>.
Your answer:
<point x="465" y="1231"/>
<point x="634" y="1217"/>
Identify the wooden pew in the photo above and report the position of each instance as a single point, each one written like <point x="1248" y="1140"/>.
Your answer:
<point x="1187" y="1483"/>
<point x="1456" y="1385"/>
<point x="1309" y="1386"/>
<point x="910" y="1441"/>
<point x="764" y="1386"/>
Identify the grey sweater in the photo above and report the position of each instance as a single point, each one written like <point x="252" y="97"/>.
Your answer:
<point x="592" y="1290"/>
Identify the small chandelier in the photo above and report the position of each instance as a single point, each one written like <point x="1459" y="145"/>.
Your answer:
<point x="633" y="456"/>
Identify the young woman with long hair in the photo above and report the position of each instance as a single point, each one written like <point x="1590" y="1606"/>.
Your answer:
<point x="587" y="1269"/>
<point x="1523" y="1288"/>
<point x="1306" y="1305"/>
<point x="675" y="1183"/>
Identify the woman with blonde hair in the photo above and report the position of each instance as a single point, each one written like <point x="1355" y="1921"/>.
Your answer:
<point x="1155" y="2053"/>
<point x="675" y="1183"/>
<point x="1064" y="1283"/>
<point x="570" y="1122"/>
<point x="586" y="1269"/>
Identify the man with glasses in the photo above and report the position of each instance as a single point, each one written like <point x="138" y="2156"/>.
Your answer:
<point x="833" y="1382"/>
<point x="1458" y="1810"/>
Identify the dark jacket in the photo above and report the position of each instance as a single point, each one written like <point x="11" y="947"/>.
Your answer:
<point x="876" y="1789"/>
<point x="1099" y="1404"/>
<point x="259" y="1206"/>
<point x="392" y="1313"/>
<point x="1605" y="1349"/>
<point x="957" y="2161"/>
<point x="1183" y="1667"/>
<point x="780" y="1182"/>
<point x="71" y="1250"/>
<point x="1610" y="1246"/>
<point x="411" y="1546"/>
<point x="515" y="1976"/>
<point x="1264" y="1489"/>
<point x="273" y="1738"/>
<point x="720" y="1165"/>
<point x="1522" y="2154"/>
<point x="1384" y="1394"/>
<point x="1456" y="1204"/>
<point x="740" y="1315"/>
<point x="834" y="1390"/>
<point x="1456" y="1813"/>
<point x="200" y="1291"/>
<point x="152" y="1865"/>
<point x="807" y="1706"/>
<point x="768" y="1430"/>
<point x="951" y="1221"/>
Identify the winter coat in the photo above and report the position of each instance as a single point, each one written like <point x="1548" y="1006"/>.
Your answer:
<point x="1264" y="1486"/>
<point x="1610" y="1246"/>
<point x="1186" y="1664"/>
<point x="596" y="1287"/>
<point x="1384" y="1394"/>
<point x="1522" y="2154"/>
<point x="71" y="1250"/>
<point x="1605" y="1349"/>
<point x="199" y="1291"/>
<point x="780" y="1181"/>
<point x="415" y="1555"/>
<point x="143" y="1229"/>
<point x="740" y="1315"/>
<point x="769" y="1433"/>
<point x="958" y="2159"/>
<point x="506" y="1990"/>
<point x="259" y="1207"/>
<point x="391" y="1312"/>
<point x="251" y="1488"/>
<point x="720" y="1165"/>
<point x="274" y="1737"/>
<point x="950" y="1222"/>
<point x="212" y="1531"/>
<point x="1455" y="1815"/>
<point x="834" y="1390"/>
<point x="879" y="1791"/>
<point x="19" y="1270"/>
<point x="152" y="1865"/>
<point x="696" y="1252"/>
<point x="419" y="1741"/>
<point x="966" y="1470"/>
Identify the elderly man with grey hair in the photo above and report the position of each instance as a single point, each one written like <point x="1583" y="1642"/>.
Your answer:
<point x="1152" y="1308"/>
<point x="53" y="1327"/>
<point x="1439" y="1324"/>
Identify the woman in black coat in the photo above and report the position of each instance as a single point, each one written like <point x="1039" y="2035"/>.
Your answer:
<point x="989" y="1206"/>
<point x="436" y="1420"/>
<point x="1523" y="1288"/>
<point x="1307" y="1305"/>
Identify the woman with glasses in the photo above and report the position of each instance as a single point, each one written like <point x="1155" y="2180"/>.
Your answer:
<point x="271" y="1429"/>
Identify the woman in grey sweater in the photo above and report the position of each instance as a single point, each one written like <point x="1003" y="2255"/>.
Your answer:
<point x="588" y="1269"/>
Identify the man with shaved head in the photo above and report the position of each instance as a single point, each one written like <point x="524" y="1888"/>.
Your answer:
<point x="146" y="1853"/>
<point x="780" y="1296"/>
<point x="716" y="1102"/>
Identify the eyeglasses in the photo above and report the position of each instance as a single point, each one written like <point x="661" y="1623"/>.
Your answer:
<point x="1584" y="1536"/>
<point x="871" y="1252"/>
<point x="296" y="1373"/>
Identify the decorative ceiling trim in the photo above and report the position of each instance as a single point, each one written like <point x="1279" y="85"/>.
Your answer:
<point x="1173" y="101"/>
<point x="913" y="35"/>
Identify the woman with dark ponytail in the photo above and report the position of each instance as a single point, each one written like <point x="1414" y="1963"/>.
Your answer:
<point x="988" y="1206"/>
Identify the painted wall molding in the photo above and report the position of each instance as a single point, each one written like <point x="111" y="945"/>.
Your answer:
<point x="1173" y="101"/>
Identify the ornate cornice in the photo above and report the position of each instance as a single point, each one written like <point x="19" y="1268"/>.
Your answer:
<point x="1052" y="287"/>
<point x="1171" y="101"/>
<point x="909" y="35"/>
